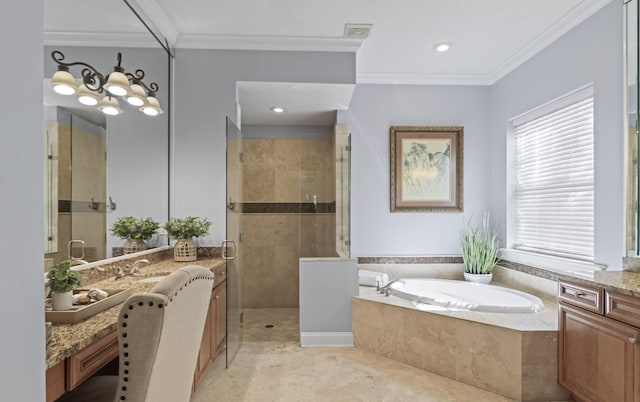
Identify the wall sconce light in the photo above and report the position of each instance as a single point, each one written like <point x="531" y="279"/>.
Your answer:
<point x="100" y="91"/>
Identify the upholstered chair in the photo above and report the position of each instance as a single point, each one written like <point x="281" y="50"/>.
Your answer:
<point x="159" y="335"/>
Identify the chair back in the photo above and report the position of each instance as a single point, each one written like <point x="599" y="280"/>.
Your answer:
<point x="159" y="334"/>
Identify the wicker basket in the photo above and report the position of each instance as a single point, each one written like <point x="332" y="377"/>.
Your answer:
<point x="185" y="250"/>
<point x="133" y="246"/>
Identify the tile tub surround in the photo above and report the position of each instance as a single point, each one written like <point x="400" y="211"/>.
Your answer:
<point x="514" y="355"/>
<point x="67" y="339"/>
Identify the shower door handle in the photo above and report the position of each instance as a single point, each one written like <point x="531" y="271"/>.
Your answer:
<point x="224" y="247"/>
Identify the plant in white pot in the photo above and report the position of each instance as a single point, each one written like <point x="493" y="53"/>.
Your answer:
<point x="479" y="251"/>
<point x="184" y="230"/>
<point x="61" y="279"/>
<point x="135" y="231"/>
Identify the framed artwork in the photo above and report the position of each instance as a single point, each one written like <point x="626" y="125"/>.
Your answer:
<point x="426" y="169"/>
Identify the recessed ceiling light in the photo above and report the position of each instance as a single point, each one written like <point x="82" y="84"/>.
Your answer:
<point x="442" y="46"/>
<point x="277" y="109"/>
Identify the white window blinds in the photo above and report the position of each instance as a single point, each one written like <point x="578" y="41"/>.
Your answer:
<point x="554" y="178"/>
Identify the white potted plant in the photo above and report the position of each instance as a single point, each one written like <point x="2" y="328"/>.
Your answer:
<point x="61" y="279"/>
<point x="135" y="231"/>
<point x="479" y="251"/>
<point x="184" y="230"/>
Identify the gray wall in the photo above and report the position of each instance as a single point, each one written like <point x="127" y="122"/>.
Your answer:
<point x="373" y="109"/>
<point x="590" y="53"/>
<point x="205" y="94"/>
<point x="22" y="298"/>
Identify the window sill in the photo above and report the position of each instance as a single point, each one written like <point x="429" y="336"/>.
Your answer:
<point x="555" y="264"/>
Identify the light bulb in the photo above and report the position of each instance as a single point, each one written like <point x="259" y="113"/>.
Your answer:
<point x="63" y="83"/>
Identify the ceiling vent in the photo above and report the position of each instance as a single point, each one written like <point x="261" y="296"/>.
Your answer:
<point x="357" y="31"/>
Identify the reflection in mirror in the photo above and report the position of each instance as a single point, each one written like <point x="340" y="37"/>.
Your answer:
<point x="98" y="167"/>
<point x="632" y="187"/>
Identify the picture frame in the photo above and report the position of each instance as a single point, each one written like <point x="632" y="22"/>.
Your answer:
<point x="426" y="168"/>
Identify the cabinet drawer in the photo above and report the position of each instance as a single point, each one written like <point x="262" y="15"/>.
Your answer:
<point x="220" y="275"/>
<point x="89" y="360"/>
<point x="586" y="297"/>
<point x="623" y="308"/>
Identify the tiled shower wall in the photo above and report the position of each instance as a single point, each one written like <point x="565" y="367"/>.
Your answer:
<point x="289" y="212"/>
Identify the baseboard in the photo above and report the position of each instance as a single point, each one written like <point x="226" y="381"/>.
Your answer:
<point x="330" y="339"/>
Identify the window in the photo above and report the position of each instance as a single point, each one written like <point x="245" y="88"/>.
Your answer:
<point x="553" y="198"/>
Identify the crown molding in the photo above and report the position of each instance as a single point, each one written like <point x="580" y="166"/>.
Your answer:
<point x="99" y="39"/>
<point x="423" y="79"/>
<point x="160" y="19"/>
<point x="250" y="42"/>
<point x="563" y="25"/>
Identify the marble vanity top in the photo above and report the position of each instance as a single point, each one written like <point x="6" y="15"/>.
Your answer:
<point x="67" y="339"/>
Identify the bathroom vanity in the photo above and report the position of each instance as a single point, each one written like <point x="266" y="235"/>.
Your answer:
<point x="599" y="328"/>
<point x="77" y="351"/>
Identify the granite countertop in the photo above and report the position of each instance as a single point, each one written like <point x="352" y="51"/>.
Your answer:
<point x="67" y="339"/>
<point x="626" y="282"/>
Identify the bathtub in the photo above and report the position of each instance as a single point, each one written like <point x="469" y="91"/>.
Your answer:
<point x="461" y="295"/>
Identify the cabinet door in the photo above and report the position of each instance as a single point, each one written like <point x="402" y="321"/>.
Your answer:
<point x="597" y="356"/>
<point x="221" y="316"/>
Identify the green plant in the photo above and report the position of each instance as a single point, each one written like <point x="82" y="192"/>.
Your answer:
<point x="61" y="278"/>
<point x="128" y="227"/>
<point x="187" y="228"/>
<point x="479" y="247"/>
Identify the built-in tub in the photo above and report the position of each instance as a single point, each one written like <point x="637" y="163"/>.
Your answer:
<point x="514" y="355"/>
<point x="461" y="295"/>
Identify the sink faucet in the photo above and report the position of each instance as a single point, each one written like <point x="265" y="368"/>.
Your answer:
<point x="134" y="269"/>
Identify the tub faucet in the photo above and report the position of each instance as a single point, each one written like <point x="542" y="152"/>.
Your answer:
<point x="386" y="289"/>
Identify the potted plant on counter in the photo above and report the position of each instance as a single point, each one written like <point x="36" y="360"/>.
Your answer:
<point x="135" y="231"/>
<point x="61" y="279"/>
<point x="479" y="251"/>
<point x="184" y="230"/>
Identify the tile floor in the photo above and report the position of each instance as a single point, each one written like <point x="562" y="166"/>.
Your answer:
<point x="272" y="367"/>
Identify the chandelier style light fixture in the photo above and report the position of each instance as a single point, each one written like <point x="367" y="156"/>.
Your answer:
<point x="101" y="91"/>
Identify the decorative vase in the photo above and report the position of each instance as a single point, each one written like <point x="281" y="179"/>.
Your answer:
<point x="133" y="246"/>
<point x="185" y="250"/>
<point x="478" y="278"/>
<point x="62" y="301"/>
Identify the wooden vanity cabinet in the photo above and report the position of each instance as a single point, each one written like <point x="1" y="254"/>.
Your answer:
<point x="215" y="328"/>
<point x="598" y="356"/>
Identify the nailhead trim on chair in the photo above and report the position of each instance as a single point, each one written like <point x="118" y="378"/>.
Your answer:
<point x="124" y="334"/>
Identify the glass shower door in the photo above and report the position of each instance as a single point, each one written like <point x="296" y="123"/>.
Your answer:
<point x="232" y="246"/>
<point x="88" y="190"/>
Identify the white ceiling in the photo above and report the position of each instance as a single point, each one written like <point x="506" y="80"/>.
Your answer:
<point x="490" y="37"/>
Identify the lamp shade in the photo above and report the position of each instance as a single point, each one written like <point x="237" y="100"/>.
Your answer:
<point x="87" y="96"/>
<point x="152" y="108"/>
<point x="109" y="106"/>
<point x="63" y="83"/>
<point x="137" y="96"/>
<point x="117" y="84"/>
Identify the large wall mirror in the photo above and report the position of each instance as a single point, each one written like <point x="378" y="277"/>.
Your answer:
<point x="101" y="167"/>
